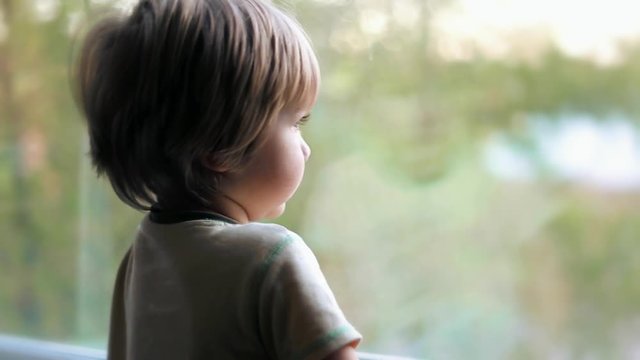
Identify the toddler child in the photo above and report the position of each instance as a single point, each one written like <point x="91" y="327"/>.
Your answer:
<point x="194" y="110"/>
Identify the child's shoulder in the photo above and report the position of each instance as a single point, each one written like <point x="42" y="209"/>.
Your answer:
<point x="251" y="241"/>
<point x="272" y="239"/>
<point x="259" y="231"/>
<point x="268" y="244"/>
<point x="250" y="247"/>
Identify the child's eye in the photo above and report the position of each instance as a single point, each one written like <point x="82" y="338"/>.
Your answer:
<point x="303" y="120"/>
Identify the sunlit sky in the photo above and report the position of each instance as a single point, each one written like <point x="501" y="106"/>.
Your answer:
<point x="601" y="153"/>
<point x="584" y="28"/>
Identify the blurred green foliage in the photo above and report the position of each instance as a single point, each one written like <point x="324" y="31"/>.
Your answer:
<point x="429" y="254"/>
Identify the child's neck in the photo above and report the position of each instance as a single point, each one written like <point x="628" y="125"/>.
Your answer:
<point x="222" y="205"/>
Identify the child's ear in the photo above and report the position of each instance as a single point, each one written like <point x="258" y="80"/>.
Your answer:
<point x="214" y="163"/>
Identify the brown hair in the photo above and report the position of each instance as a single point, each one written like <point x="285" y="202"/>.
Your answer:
<point x="178" y="81"/>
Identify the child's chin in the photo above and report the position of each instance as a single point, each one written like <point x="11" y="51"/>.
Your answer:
<point x="276" y="212"/>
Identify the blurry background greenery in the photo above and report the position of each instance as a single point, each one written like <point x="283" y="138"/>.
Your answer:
<point x="473" y="189"/>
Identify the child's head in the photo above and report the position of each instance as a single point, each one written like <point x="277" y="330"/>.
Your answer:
<point x="182" y="94"/>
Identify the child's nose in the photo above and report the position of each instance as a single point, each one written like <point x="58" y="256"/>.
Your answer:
<point x="306" y="150"/>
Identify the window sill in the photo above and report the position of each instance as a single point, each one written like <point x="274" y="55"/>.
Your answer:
<point x="17" y="348"/>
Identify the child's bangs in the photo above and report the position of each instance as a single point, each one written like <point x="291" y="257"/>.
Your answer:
<point x="301" y="72"/>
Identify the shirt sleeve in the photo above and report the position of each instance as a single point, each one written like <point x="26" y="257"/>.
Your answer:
<point x="299" y="317"/>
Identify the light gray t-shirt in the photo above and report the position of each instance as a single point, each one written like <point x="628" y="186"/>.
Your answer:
<point x="212" y="289"/>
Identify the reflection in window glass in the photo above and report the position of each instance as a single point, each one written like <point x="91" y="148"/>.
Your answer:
<point x="475" y="176"/>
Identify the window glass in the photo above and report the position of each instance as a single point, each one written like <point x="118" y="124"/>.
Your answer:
<point x="475" y="176"/>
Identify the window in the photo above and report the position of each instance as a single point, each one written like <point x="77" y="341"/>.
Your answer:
<point x="475" y="177"/>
